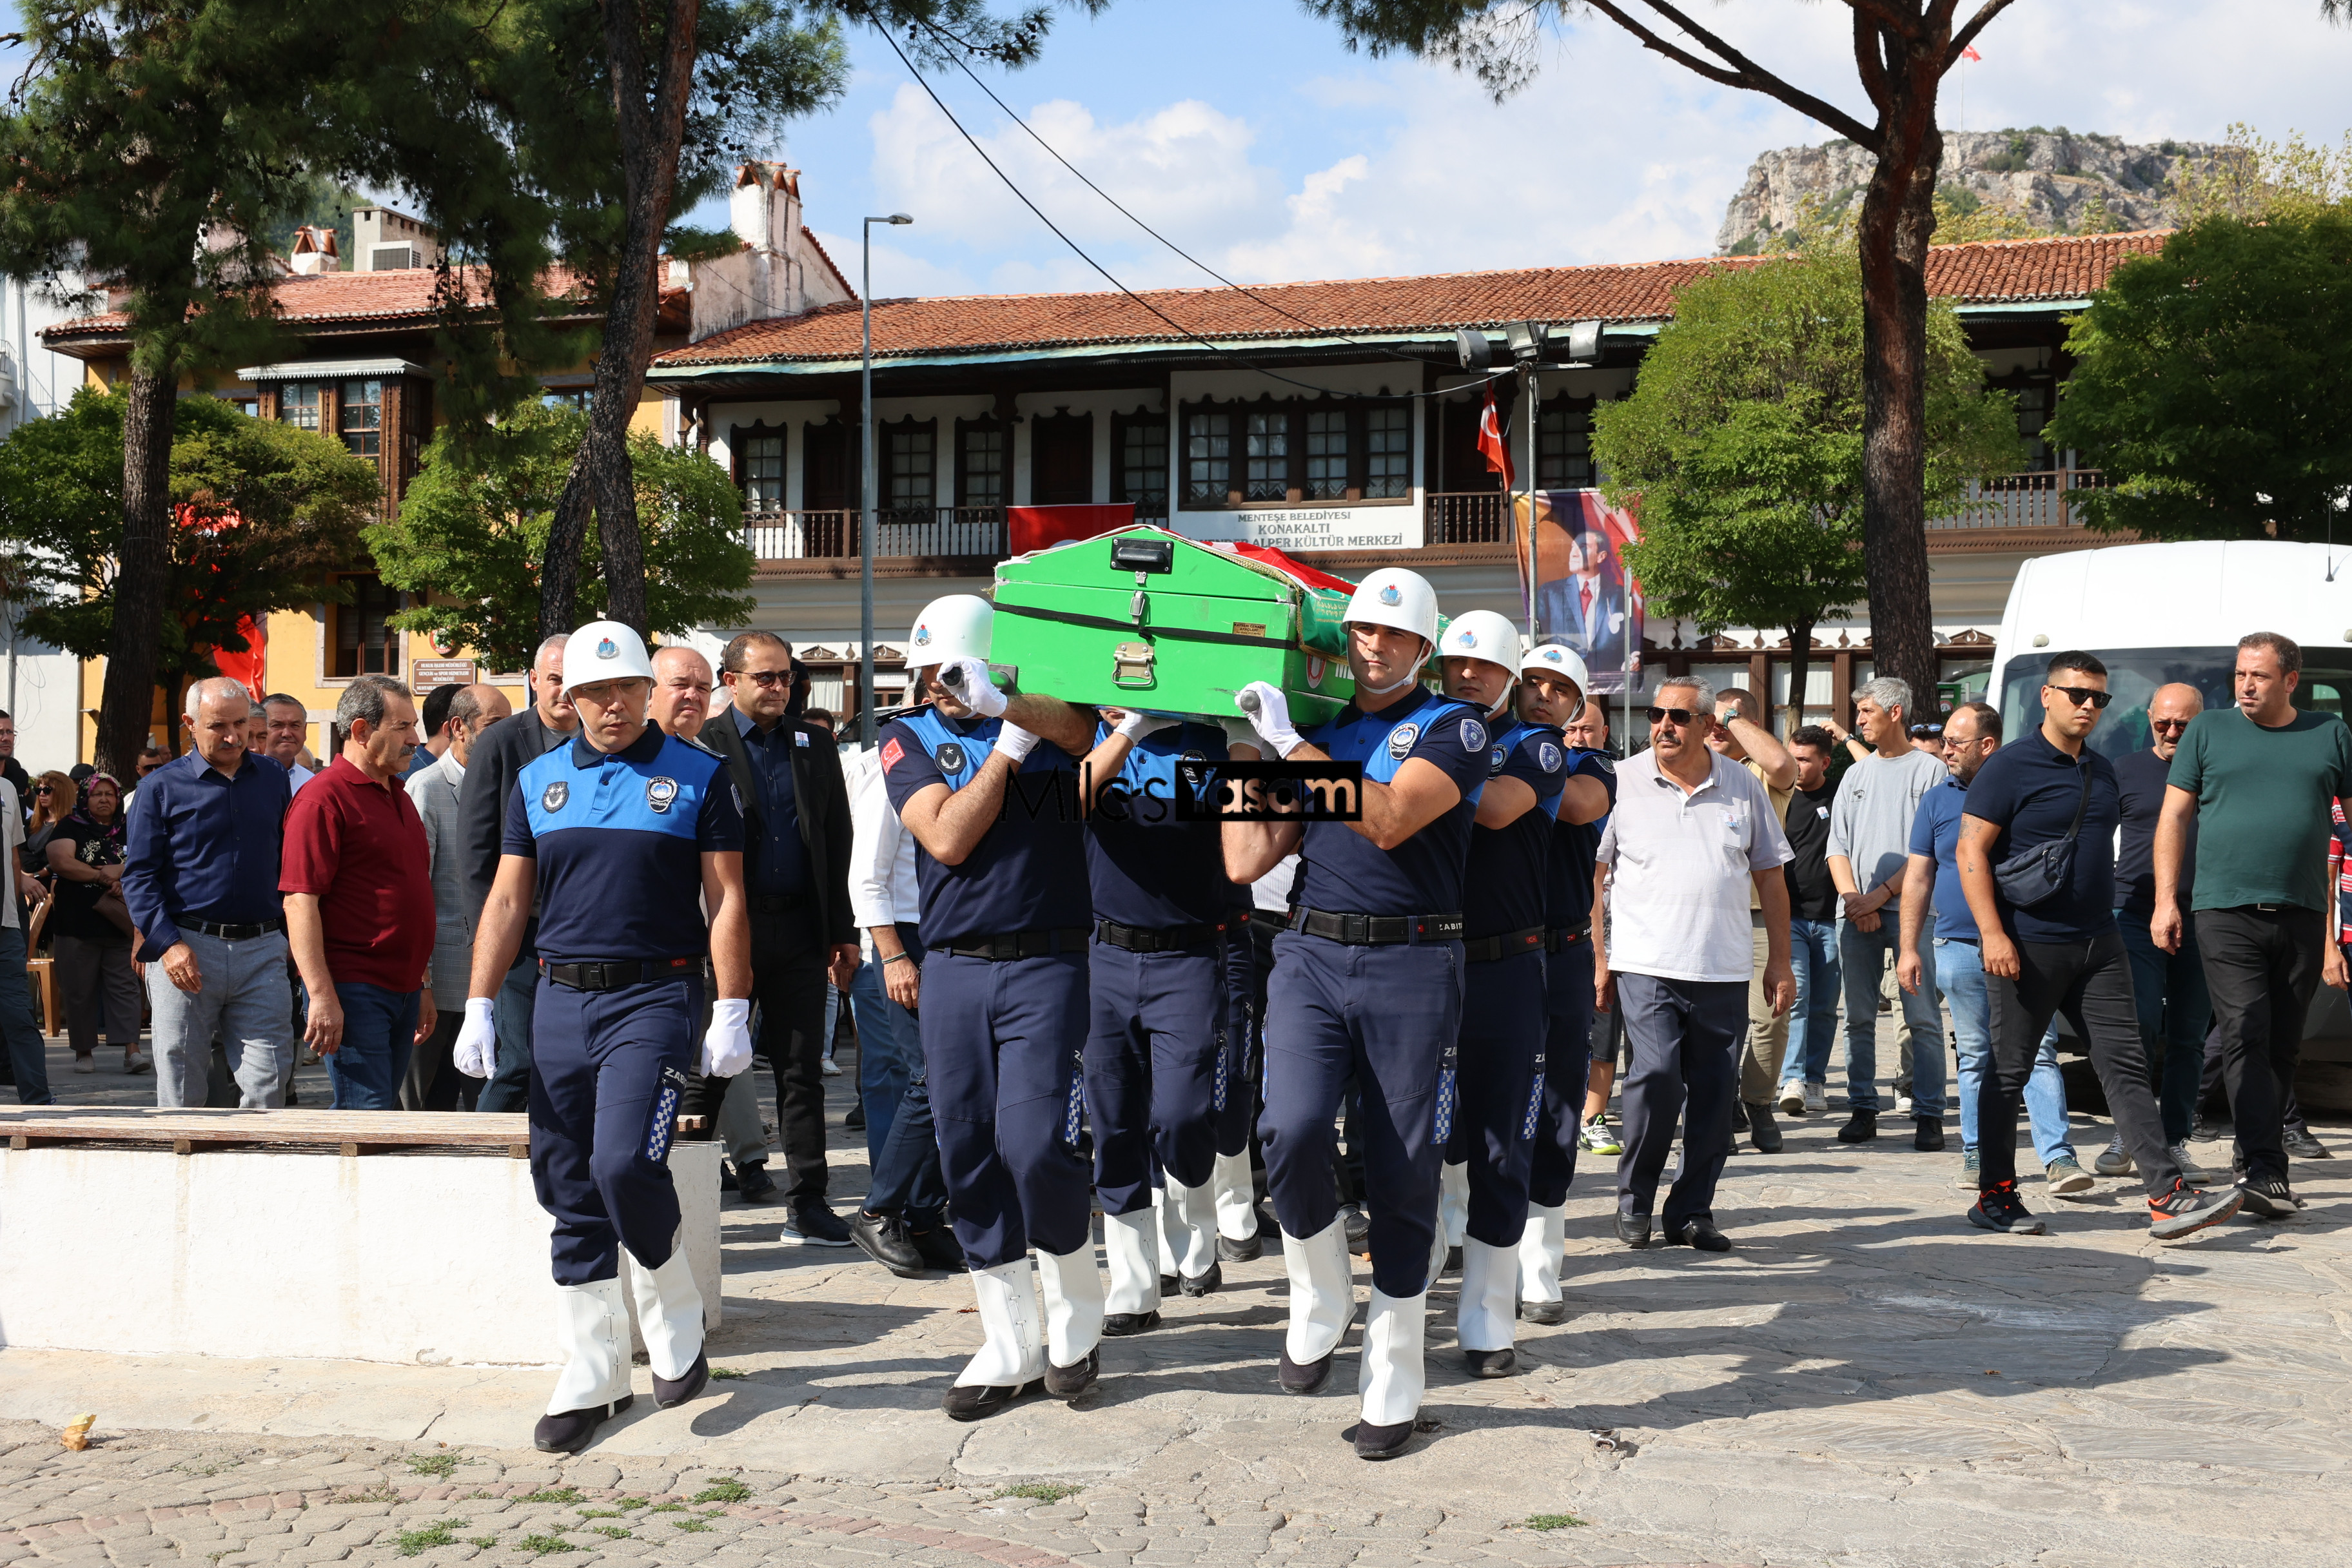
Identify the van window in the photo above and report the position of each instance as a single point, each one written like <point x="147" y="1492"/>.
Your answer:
<point x="2134" y="674"/>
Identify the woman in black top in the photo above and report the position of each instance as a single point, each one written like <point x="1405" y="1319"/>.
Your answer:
<point x="92" y="929"/>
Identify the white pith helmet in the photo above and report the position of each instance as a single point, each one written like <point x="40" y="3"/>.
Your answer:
<point x="604" y="650"/>
<point x="1558" y="660"/>
<point x="954" y="626"/>
<point x="1483" y="634"/>
<point x="1393" y="596"/>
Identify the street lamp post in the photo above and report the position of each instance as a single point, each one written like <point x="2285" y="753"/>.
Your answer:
<point x="866" y="488"/>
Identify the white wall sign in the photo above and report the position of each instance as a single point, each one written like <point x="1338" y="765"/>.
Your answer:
<point x="1309" y="527"/>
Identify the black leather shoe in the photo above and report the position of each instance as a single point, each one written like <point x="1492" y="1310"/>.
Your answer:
<point x="979" y="1401"/>
<point x="1702" y="1234"/>
<point x="1358" y="1228"/>
<point x="1633" y="1229"/>
<point x="1546" y="1313"/>
<point x="1072" y="1383"/>
<point x="882" y="1237"/>
<point x="1490" y="1363"/>
<point x="1201" y="1285"/>
<point x="1119" y="1325"/>
<point x="939" y="1248"/>
<point x="568" y="1431"/>
<point x="1382" y="1442"/>
<point x="1453" y="1261"/>
<point x="1297" y="1379"/>
<point x="669" y="1394"/>
<point x="1762" y="1130"/>
<point x="854" y="1121"/>
<point x="1233" y="1251"/>
<point x="1929" y="1138"/>
<point x="1860" y="1128"/>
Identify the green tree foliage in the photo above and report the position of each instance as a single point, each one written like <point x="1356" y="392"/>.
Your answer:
<point x="473" y="530"/>
<point x="262" y="514"/>
<point x="1742" y="444"/>
<point x="2252" y="177"/>
<point x="2211" y="385"/>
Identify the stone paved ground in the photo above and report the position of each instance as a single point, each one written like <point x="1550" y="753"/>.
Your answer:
<point x="1864" y="1381"/>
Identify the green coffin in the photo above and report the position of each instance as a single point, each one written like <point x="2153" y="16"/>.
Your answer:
<point x="1144" y="618"/>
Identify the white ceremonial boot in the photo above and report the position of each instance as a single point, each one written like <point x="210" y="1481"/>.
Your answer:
<point x="1485" y="1320"/>
<point x="1013" y="1356"/>
<point x="592" y="1328"/>
<point x="1540" y="1248"/>
<point x="1193" y="1230"/>
<point x="1132" y="1248"/>
<point x="1237" y="1237"/>
<point x="1072" y="1288"/>
<point x="669" y="1316"/>
<point x="1322" y="1303"/>
<point x="1453" y="1206"/>
<point x="1390" y="1378"/>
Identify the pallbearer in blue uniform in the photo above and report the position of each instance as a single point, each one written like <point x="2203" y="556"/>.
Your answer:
<point x="1552" y="683"/>
<point x="1368" y="979"/>
<point x="1156" y="1062"/>
<point x="1502" y="1040"/>
<point x="627" y="837"/>
<point x="989" y="787"/>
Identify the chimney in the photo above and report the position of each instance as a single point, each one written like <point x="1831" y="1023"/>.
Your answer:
<point x="384" y="240"/>
<point x="314" y="252"/>
<point x="779" y="271"/>
<point x="765" y="209"/>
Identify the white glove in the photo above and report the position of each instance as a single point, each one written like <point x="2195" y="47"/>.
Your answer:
<point x="1239" y="733"/>
<point x="1015" y="743"/>
<point x="727" y="1044"/>
<point x="1269" y="716"/>
<point x="977" y="690"/>
<point x="475" y="1054"/>
<point x="1136" y="725"/>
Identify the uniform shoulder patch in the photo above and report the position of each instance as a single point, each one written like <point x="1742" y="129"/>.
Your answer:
<point x="1400" y="739"/>
<point x="1473" y="735"/>
<point x="552" y="797"/>
<point x="949" y="756"/>
<point x="1495" y="761"/>
<point x="893" y="754"/>
<point x="1549" y="757"/>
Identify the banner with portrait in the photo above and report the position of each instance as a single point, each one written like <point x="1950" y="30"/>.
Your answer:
<point x="1572" y="573"/>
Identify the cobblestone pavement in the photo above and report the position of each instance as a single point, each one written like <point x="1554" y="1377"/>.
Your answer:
<point x="1864" y="1381"/>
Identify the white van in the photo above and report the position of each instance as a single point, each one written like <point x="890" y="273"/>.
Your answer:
<point x="2157" y="613"/>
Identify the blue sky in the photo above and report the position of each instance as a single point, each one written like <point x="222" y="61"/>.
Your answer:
<point x="1246" y="132"/>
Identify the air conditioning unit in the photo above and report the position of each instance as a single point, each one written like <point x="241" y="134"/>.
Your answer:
<point x="394" y="257"/>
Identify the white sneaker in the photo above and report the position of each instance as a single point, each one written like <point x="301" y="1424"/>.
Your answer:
<point x="1792" y="1098"/>
<point x="1902" y="1105"/>
<point x="825" y="1066"/>
<point x="1817" y="1099"/>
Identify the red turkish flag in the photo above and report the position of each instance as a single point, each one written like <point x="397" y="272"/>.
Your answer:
<point x="1490" y="440"/>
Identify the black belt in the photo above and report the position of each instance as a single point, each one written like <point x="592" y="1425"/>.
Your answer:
<point x="612" y="973"/>
<point x="1510" y="944"/>
<point x="1559" y="937"/>
<point x="1377" y="931"/>
<point x="1147" y="939"/>
<point x="1022" y="944"/>
<point x="230" y="931"/>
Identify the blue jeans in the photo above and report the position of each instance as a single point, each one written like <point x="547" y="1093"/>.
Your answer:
<point x="1960" y="970"/>
<point x="908" y="1179"/>
<point x="27" y="1052"/>
<point x="1812" y="1022"/>
<point x="1863" y="957"/>
<point x="379" y="1030"/>
<point x="2168" y="988"/>
<point x="887" y="1044"/>
<point x="510" y="1084"/>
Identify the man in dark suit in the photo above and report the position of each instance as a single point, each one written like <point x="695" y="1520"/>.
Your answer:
<point x="796" y="871"/>
<point x="503" y="751"/>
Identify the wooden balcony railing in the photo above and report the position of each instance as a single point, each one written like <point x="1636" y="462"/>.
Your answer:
<point x="1467" y="517"/>
<point x="831" y="533"/>
<point x="2045" y="499"/>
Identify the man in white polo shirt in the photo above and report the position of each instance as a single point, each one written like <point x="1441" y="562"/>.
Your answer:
<point x="1691" y="833"/>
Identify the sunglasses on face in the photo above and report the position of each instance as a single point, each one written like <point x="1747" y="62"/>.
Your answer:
<point x="2167" y="726"/>
<point x="2079" y="695"/>
<point x="1925" y="732"/>
<point x="766" y="678"/>
<point x="1678" y="716"/>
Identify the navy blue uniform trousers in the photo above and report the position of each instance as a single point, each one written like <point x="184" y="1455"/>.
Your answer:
<point x="1501" y="1079"/>
<point x="1230" y="1123"/>
<point x="607" y="1071"/>
<point x="1001" y="1051"/>
<point x="1391" y="1017"/>
<point x="1568" y="1071"/>
<point x="1151" y="1066"/>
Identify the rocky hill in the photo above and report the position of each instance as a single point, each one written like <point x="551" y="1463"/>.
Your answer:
<point x="2053" y="181"/>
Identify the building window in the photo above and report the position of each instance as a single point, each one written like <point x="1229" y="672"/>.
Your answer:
<point x="982" y="477"/>
<point x="577" y="397"/>
<point x="761" y="473"/>
<point x="1564" y="449"/>
<point x="1388" y="453"/>
<point x="1268" y="454"/>
<point x="1208" y="458"/>
<point x="1327" y="456"/>
<point x="1143" y="465"/>
<point x="362" y="641"/>
<point x="298" y="404"/>
<point x="913" y="464"/>
<point x="360" y="415"/>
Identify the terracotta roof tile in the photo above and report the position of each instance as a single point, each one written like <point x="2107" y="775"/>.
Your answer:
<point x="327" y="298"/>
<point x="2021" y="271"/>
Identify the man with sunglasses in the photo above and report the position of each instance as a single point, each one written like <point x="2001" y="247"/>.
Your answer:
<point x="1736" y="735"/>
<point x="1691" y="833"/>
<point x="2043" y="809"/>
<point x="2257" y="782"/>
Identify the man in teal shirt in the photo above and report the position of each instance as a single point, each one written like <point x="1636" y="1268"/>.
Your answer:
<point x="2257" y="780"/>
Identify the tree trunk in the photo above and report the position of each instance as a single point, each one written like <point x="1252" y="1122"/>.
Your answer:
<point x="142" y="572"/>
<point x="1800" y="648"/>
<point x="650" y="132"/>
<point x="1898" y="217"/>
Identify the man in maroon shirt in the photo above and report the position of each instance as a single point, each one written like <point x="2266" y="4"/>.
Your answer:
<point x="359" y="900"/>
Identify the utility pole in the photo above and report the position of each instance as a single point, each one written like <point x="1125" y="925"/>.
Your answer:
<point x="865" y="529"/>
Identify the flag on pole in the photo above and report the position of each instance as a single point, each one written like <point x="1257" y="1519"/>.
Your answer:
<point x="1490" y="441"/>
<point x="1968" y="52"/>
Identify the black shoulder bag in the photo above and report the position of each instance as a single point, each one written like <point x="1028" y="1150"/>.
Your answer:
<point x="2035" y="876"/>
